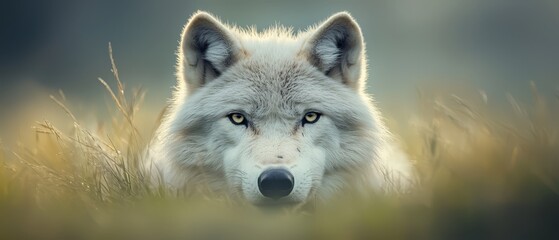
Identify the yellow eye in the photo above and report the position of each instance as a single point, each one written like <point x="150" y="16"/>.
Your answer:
<point x="237" y="119"/>
<point x="311" y="117"/>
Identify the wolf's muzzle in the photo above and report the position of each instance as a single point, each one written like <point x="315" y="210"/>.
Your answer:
<point x="275" y="183"/>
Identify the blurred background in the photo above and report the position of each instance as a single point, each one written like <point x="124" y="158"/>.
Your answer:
<point x="494" y="46"/>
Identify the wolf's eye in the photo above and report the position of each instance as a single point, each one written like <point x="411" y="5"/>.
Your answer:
<point x="237" y="119"/>
<point x="311" y="117"/>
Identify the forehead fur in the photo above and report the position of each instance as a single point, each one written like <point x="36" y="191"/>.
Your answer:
<point x="265" y="87"/>
<point x="277" y="43"/>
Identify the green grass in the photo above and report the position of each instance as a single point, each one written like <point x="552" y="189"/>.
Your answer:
<point x="482" y="174"/>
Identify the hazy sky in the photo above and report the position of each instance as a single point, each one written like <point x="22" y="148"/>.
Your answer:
<point x="498" y="46"/>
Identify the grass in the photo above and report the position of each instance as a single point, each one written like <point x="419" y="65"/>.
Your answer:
<point x="482" y="175"/>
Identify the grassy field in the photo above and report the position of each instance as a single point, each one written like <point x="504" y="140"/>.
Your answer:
<point x="482" y="174"/>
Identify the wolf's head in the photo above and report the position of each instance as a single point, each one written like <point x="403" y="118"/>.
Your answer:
<point x="276" y="117"/>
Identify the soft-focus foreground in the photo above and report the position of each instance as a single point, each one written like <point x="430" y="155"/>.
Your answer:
<point x="482" y="174"/>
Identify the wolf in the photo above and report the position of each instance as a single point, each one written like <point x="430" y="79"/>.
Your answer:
<point x="274" y="116"/>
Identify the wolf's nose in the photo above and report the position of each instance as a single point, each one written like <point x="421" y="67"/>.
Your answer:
<point x="275" y="183"/>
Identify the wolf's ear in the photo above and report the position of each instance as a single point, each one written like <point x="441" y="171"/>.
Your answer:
<point x="207" y="48"/>
<point x="336" y="48"/>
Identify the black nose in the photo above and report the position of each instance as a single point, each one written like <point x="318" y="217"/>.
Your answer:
<point x="275" y="183"/>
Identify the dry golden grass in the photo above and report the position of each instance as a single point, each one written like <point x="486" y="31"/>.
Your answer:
<point x="479" y="177"/>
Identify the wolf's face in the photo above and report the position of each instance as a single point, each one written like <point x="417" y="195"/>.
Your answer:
<point x="274" y="115"/>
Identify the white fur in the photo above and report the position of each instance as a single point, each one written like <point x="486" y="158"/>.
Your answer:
<point x="274" y="78"/>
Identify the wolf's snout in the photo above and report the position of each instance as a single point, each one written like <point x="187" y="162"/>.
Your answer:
<point x="275" y="183"/>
